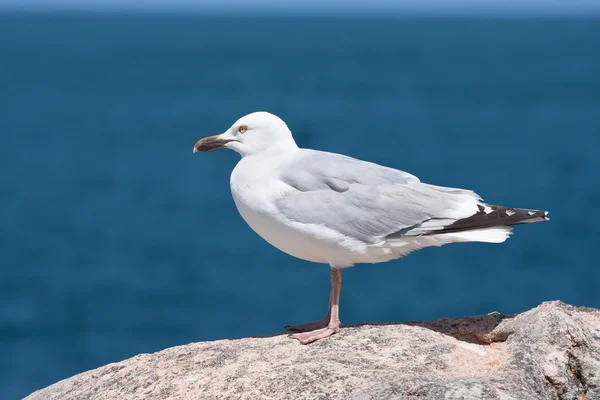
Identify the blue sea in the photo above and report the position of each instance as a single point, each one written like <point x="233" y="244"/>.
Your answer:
<point x="117" y="240"/>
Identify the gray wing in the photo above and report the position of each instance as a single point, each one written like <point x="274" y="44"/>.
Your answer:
<point x="367" y="201"/>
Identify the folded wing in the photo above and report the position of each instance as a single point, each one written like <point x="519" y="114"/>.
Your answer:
<point x="366" y="201"/>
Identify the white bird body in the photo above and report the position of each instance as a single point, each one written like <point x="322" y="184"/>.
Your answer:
<point x="330" y="208"/>
<point x="256" y="186"/>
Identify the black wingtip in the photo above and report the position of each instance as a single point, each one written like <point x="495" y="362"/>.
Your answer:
<point x="490" y="216"/>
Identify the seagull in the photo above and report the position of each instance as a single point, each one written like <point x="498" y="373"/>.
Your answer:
<point x="333" y="209"/>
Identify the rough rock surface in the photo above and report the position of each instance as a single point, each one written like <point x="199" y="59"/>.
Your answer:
<point x="550" y="352"/>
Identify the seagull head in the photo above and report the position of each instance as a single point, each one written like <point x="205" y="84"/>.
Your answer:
<point x="259" y="132"/>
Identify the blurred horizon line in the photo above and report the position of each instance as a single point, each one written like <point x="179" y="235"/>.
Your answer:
<point x="116" y="12"/>
<point x="326" y="8"/>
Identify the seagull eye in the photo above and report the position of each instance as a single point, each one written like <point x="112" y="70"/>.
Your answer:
<point x="242" y="129"/>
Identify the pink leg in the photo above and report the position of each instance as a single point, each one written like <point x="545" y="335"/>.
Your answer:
<point x="331" y="323"/>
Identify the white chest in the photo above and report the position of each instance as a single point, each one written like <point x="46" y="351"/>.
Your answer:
<point x="255" y="197"/>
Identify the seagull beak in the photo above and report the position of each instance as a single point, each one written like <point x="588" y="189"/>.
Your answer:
<point x="211" y="143"/>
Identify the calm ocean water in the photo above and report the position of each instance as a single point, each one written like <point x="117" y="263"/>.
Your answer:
<point x="117" y="240"/>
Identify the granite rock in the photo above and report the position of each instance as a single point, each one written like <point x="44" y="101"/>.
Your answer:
<point x="550" y="352"/>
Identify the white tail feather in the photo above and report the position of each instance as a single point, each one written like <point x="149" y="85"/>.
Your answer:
<point x="407" y="244"/>
<point x="496" y="234"/>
